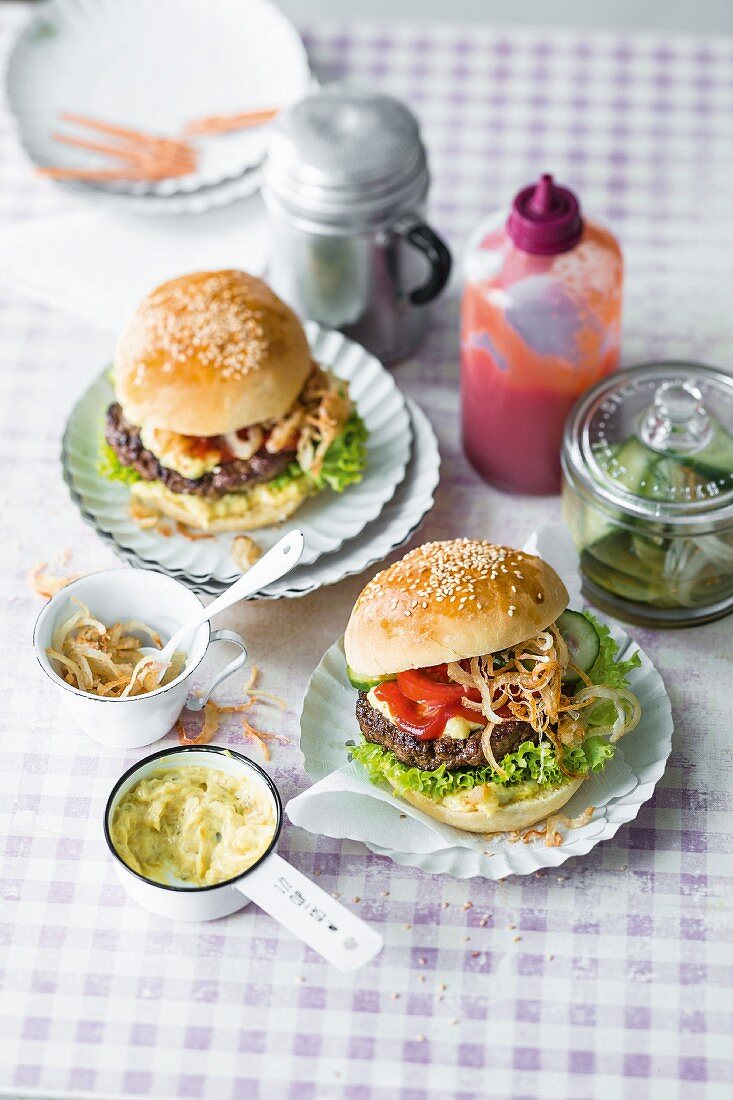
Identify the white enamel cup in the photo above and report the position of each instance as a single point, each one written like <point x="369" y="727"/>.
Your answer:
<point x="116" y="595"/>
<point x="287" y="895"/>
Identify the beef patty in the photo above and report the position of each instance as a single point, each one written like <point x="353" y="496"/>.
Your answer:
<point x="454" y="753"/>
<point x="230" y="477"/>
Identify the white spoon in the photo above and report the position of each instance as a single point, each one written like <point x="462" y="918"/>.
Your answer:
<point x="278" y="561"/>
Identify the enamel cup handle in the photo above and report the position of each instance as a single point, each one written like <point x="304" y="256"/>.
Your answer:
<point x="198" y="702"/>
<point x="311" y="914"/>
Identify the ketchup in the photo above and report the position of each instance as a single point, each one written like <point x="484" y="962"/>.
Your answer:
<point x="423" y="701"/>
<point x="541" y="321"/>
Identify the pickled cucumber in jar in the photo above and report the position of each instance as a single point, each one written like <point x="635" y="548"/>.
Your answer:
<point x="648" y="493"/>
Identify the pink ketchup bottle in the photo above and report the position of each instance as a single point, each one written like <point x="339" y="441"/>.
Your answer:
<point x="541" y="322"/>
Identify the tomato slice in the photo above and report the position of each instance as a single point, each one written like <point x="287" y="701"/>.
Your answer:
<point x="433" y="687"/>
<point x="424" y="723"/>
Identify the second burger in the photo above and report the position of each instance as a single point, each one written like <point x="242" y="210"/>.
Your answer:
<point x="222" y="419"/>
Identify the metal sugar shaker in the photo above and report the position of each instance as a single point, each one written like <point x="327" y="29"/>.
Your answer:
<point x="345" y="180"/>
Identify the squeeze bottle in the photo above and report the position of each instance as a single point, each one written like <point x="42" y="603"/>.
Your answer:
<point x="540" y="323"/>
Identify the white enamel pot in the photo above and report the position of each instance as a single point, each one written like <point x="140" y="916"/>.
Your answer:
<point x="116" y="595"/>
<point x="287" y="895"/>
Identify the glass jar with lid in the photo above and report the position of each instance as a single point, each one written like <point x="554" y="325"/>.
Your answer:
<point x="648" y="493"/>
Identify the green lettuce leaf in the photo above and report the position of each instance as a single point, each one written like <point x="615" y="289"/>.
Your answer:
<point x="345" y="458"/>
<point x="607" y="670"/>
<point x="109" y="466"/>
<point x="537" y="763"/>
<point x="291" y="472"/>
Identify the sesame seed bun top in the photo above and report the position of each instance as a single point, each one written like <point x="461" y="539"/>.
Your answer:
<point x="210" y="353"/>
<point x="445" y="601"/>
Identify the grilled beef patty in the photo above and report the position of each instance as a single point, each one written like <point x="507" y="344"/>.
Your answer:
<point x="230" y="477"/>
<point x="454" y="753"/>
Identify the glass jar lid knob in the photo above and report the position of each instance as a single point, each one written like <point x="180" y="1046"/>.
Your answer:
<point x="678" y="422"/>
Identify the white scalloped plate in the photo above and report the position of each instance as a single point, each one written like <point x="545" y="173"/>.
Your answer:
<point x="327" y="520"/>
<point x="395" y="525"/>
<point x="617" y="793"/>
<point x="154" y="67"/>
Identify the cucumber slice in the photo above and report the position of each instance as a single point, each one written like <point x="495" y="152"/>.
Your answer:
<point x="582" y="641"/>
<point x="364" y="683"/>
<point x="717" y="458"/>
<point x="635" y="459"/>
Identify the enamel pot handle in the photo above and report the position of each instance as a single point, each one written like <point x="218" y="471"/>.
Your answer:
<point x="311" y="914"/>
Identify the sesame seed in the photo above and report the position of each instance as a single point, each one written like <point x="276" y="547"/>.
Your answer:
<point x="455" y="572"/>
<point x="215" y="320"/>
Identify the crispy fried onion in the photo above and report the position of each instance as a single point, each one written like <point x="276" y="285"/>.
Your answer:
<point x="551" y="831"/>
<point x="246" y="442"/>
<point x="214" y="711"/>
<point x="317" y="417"/>
<point x="207" y="731"/>
<point x="106" y="661"/>
<point x="45" y="583"/>
<point x="527" y="679"/>
<point x="626" y="705"/>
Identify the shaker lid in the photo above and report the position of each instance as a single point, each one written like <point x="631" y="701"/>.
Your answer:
<point x="347" y="156"/>
<point x="656" y="441"/>
<point x="545" y="218"/>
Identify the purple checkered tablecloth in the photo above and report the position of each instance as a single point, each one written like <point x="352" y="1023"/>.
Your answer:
<point x="610" y="978"/>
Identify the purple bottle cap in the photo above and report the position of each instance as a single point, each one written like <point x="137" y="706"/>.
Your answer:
<point x="545" y="219"/>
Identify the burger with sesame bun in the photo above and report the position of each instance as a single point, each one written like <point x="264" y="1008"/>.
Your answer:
<point x="483" y="701"/>
<point x="222" y="419"/>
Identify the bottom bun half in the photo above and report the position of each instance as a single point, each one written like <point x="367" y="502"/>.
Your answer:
<point x="261" y="506"/>
<point x="511" y="817"/>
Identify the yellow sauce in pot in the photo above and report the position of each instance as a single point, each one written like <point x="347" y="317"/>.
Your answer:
<point x="193" y="825"/>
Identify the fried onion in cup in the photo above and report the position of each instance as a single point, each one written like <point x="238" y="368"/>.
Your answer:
<point x="106" y="661"/>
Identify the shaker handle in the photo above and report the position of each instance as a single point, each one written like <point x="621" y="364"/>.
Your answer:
<point x="427" y="241"/>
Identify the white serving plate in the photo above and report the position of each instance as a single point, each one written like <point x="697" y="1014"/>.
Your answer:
<point x="327" y="520"/>
<point x="395" y="525"/>
<point x="357" y="810"/>
<point x="154" y="67"/>
<point x="211" y="197"/>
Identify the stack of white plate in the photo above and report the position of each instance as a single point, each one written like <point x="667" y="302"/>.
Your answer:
<point x="156" y="67"/>
<point x="344" y="533"/>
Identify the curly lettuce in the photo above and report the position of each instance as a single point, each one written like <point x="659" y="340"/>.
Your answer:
<point x="291" y="473"/>
<point x="109" y="466"/>
<point x="608" y="670"/>
<point x="345" y="458"/>
<point x="536" y="763"/>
